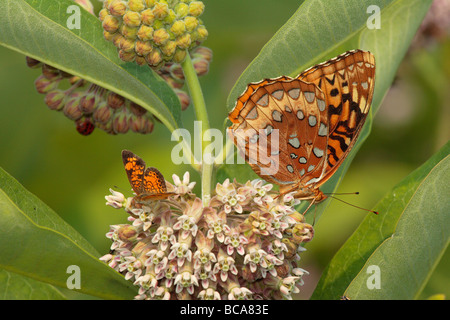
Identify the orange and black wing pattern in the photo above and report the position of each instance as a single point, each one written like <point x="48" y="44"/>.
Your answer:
<point x="318" y="116"/>
<point x="348" y="84"/>
<point x="147" y="183"/>
<point x="135" y="168"/>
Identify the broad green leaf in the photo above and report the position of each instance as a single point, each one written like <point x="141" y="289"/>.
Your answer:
<point x="38" y="28"/>
<point x="320" y="30"/>
<point x="17" y="287"/>
<point x="36" y="243"/>
<point x="405" y="241"/>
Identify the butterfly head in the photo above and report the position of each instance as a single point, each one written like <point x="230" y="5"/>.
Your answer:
<point x="304" y="193"/>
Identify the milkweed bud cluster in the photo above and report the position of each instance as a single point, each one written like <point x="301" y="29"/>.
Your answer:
<point x="153" y="32"/>
<point x="91" y="106"/>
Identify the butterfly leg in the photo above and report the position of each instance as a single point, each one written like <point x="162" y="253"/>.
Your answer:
<point x="314" y="219"/>
<point x="312" y="202"/>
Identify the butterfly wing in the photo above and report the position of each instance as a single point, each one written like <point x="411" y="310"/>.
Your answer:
<point x="148" y="184"/>
<point x="318" y="117"/>
<point x="289" y="117"/>
<point x="348" y="83"/>
<point x="154" y="185"/>
<point x="154" y="181"/>
<point x="239" y="109"/>
<point x="134" y="167"/>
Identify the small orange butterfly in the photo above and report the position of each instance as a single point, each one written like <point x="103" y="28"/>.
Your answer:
<point x="318" y="115"/>
<point x="148" y="184"/>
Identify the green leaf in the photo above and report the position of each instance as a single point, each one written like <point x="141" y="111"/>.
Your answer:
<point x="405" y="241"/>
<point x="36" y="243"/>
<point x="38" y="28"/>
<point x="17" y="287"/>
<point x="317" y="32"/>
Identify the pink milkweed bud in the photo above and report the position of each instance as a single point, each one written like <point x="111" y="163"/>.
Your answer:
<point x="55" y="99"/>
<point x="44" y="85"/>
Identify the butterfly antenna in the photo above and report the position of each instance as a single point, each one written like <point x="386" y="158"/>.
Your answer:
<point x="373" y="211"/>
<point x="341" y="193"/>
<point x="119" y="188"/>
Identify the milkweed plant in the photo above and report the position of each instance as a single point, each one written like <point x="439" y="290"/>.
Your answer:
<point x="239" y="238"/>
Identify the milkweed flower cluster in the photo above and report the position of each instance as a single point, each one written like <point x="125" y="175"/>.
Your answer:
<point x="244" y="245"/>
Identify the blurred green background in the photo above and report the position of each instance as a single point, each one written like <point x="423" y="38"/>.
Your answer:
<point x="72" y="173"/>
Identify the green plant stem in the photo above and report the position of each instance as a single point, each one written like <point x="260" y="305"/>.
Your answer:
<point x="207" y="175"/>
<point x="201" y="114"/>
<point x="196" y="93"/>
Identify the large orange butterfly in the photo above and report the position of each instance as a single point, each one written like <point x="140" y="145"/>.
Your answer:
<point x="318" y="116"/>
<point x="148" y="184"/>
